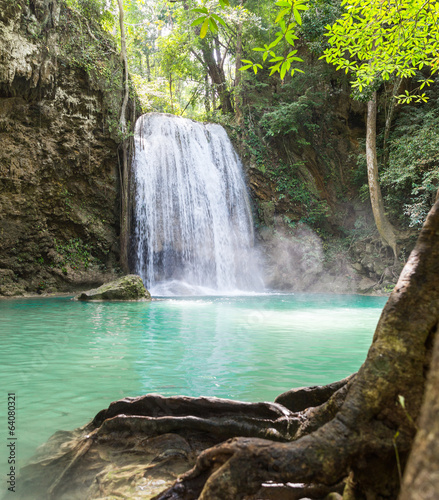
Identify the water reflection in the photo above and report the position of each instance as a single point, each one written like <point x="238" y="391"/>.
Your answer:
<point x="67" y="360"/>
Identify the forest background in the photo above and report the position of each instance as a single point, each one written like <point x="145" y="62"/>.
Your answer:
<point x="299" y="127"/>
<point x="187" y="58"/>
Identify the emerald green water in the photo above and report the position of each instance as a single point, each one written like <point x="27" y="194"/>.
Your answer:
<point x="67" y="360"/>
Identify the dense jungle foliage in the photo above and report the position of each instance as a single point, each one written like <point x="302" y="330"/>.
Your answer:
<point x="175" y="70"/>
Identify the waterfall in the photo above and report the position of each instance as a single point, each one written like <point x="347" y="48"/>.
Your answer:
<point x="193" y="230"/>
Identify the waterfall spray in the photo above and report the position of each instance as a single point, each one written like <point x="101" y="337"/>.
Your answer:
<point x="193" y="227"/>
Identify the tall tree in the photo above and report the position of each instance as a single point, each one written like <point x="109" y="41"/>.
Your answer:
<point x="385" y="228"/>
<point x="374" y="41"/>
<point x="238" y="76"/>
<point x="124" y="180"/>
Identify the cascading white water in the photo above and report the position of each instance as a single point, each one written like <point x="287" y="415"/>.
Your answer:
<point x="193" y="230"/>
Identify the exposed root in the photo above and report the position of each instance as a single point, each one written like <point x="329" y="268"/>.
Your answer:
<point x="367" y="420"/>
<point x="351" y="432"/>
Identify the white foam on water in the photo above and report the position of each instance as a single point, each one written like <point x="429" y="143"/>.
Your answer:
<point x="193" y="231"/>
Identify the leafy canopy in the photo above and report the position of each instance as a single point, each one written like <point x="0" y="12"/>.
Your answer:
<point x="372" y="40"/>
<point x="380" y="38"/>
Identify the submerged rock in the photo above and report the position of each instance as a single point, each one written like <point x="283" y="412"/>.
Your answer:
<point x="128" y="287"/>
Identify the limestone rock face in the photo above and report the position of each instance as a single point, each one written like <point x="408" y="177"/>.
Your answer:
<point x="126" y="288"/>
<point x="59" y="199"/>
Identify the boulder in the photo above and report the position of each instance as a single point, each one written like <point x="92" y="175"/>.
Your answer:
<point x="128" y="287"/>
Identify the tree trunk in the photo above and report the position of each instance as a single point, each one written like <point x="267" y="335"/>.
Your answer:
<point x="123" y="53"/>
<point x="170" y="92"/>
<point x="124" y="181"/>
<point x="238" y="75"/>
<point x="421" y="478"/>
<point x="217" y="76"/>
<point x="148" y="67"/>
<point x="385" y="228"/>
<point x="389" y="119"/>
<point x="206" y="95"/>
<point x="359" y="442"/>
<point x="214" y="69"/>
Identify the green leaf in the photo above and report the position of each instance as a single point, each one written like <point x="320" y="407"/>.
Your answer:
<point x="281" y="15"/>
<point x="204" y="28"/>
<point x="202" y="10"/>
<point x="243" y="68"/>
<point x="213" y="25"/>
<point x="297" y="16"/>
<point x="198" y="21"/>
<point x="275" y="42"/>
<point x="219" y="19"/>
<point x="275" y="68"/>
<point x="290" y="37"/>
<point x="224" y="3"/>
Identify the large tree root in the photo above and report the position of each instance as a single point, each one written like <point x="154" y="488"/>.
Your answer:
<point x="359" y="428"/>
<point x="371" y="422"/>
<point x="159" y="438"/>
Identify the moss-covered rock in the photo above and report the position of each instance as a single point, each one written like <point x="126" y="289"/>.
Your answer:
<point x="126" y="288"/>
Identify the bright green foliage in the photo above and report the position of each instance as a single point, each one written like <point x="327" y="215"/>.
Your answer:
<point x="379" y="38"/>
<point x="97" y="10"/>
<point x="288" y="19"/>
<point x="209" y="20"/>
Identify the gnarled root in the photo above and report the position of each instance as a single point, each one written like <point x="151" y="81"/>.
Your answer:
<point x="368" y="425"/>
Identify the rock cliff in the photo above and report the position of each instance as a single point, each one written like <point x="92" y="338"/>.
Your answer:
<point x="315" y="232"/>
<point x="59" y="206"/>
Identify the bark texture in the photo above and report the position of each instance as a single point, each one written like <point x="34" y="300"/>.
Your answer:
<point x="137" y="447"/>
<point x="421" y="479"/>
<point x="385" y="228"/>
<point x="217" y="75"/>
